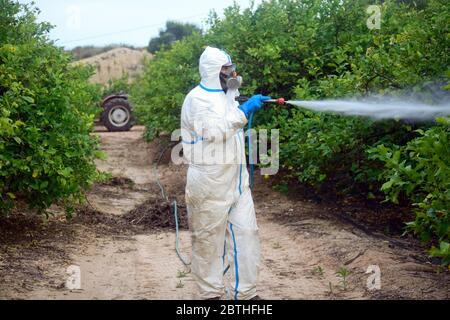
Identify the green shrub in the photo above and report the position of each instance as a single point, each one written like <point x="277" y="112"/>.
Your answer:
<point x="115" y="86"/>
<point x="46" y="116"/>
<point x="420" y="170"/>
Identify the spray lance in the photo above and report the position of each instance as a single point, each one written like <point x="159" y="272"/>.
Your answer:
<point x="279" y="101"/>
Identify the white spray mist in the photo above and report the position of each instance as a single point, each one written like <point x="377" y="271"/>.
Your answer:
<point x="379" y="108"/>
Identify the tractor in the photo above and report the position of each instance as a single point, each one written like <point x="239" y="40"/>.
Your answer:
<point x="117" y="113"/>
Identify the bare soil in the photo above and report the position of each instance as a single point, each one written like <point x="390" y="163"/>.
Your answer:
<point x="123" y="240"/>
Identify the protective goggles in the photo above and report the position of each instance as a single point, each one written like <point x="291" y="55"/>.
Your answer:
<point x="228" y="70"/>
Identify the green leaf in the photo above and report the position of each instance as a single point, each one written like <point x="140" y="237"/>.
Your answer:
<point x="28" y="99"/>
<point x="444" y="246"/>
<point x="387" y="185"/>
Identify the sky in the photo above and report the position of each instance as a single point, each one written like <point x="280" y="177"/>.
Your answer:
<point x="133" y="22"/>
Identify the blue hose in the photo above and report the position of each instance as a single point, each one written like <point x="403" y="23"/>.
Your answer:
<point x="252" y="166"/>
<point x="177" y="238"/>
<point x="250" y="151"/>
<point x="174" y="207"/>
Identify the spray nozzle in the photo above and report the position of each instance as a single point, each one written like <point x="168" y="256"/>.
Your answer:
<point x="279" y="101"/>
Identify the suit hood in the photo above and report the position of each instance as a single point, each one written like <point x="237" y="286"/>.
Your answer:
<point x="211" y="62"/>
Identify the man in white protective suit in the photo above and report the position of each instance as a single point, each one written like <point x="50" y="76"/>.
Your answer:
<point x="220" y="206"/>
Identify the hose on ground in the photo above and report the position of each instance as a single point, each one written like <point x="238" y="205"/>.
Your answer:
<point x="174" y="208"/>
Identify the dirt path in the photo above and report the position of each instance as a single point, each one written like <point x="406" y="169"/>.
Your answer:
<point x="303" y="246"/>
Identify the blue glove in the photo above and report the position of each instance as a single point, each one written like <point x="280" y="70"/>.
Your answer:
<point x="253" y="104"/>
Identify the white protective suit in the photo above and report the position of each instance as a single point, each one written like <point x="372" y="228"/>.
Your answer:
<point x="219" y="202"/>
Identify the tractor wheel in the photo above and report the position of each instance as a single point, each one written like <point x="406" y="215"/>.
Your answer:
<point x="117" y="115"/>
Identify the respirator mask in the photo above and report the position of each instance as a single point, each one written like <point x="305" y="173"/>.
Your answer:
<point x="229" y="79"/>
